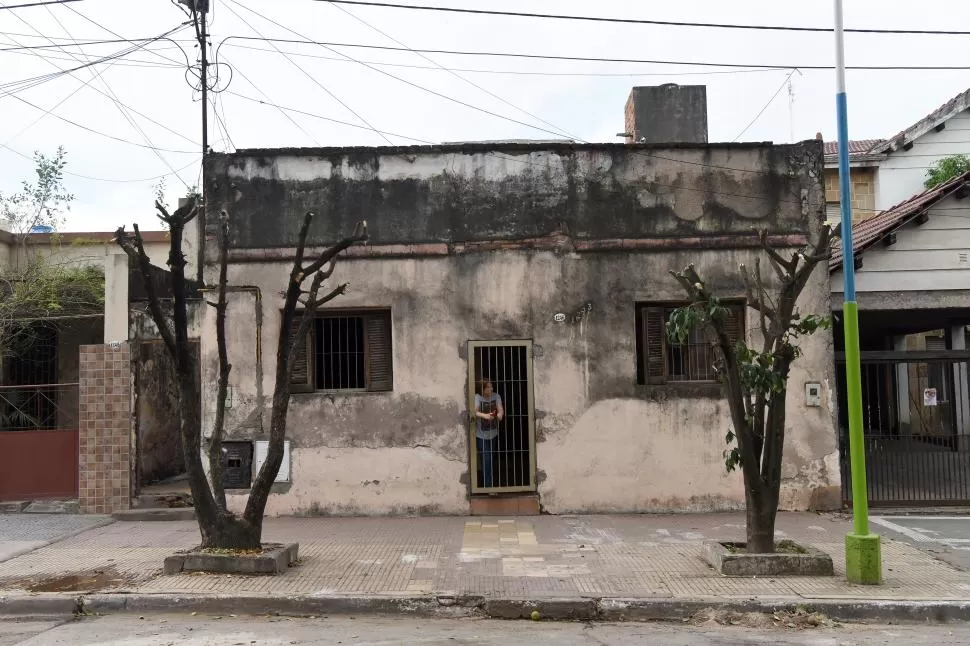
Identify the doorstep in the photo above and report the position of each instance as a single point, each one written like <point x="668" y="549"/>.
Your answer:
<point x="504" y="505"/>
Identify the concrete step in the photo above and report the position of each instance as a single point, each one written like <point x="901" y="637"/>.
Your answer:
<point x="53" y="507"/>
<point x="13" y="506"/>
<point x="162" y="500"/>
<point x="156" y="514"/>
<point x="505" y="505"/>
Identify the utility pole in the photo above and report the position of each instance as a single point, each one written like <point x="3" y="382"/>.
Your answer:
<point x="199" y="9"/>
<point x="863" y="557"/>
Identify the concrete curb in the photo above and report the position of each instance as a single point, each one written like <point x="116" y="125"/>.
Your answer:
<point x="443" y="606"/>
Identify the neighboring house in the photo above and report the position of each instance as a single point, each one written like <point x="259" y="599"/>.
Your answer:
<point x="886" y="172"/>
<point x="541" y="267"/>
<point x="41" y="416"/>
<point x="913" y="283"/>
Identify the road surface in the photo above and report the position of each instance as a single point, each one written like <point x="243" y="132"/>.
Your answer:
<point x="186" y="630"/>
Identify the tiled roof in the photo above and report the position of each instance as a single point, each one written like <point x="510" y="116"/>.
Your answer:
<point x="856" y="147"/>
<point x="954" y="106"/>
<point x="868" y="232"/>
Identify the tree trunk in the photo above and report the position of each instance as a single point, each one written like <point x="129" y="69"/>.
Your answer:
<point x="760" y="526"/>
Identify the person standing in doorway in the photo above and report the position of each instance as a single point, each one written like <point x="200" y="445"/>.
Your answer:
<point x="489" y="412"/>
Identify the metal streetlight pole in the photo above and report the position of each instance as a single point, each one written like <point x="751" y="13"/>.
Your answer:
<point x="863" y="558"/>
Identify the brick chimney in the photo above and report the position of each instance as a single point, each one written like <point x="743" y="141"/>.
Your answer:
<point x="666" y="114"/>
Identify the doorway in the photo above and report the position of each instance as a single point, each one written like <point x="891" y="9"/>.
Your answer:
<point x="503" y="443"/>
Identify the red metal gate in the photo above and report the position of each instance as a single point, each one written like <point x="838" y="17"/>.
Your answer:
<point x="38" y="441"/>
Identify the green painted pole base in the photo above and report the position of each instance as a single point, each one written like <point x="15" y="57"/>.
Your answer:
<point x="863" y="559"/>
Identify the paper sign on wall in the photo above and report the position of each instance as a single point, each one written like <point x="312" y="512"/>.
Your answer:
<point x="929" y="396"/>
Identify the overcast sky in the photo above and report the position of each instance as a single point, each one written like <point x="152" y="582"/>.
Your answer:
<point x="583" y="100"/>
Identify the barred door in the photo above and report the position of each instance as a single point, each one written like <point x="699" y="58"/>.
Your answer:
<point x="501" y="416"/>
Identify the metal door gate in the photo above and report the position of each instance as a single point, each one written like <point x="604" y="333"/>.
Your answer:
<point x="916" y="425"/>
<point x="503" y="457"/>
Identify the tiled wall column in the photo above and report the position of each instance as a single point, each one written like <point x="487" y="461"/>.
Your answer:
<point x="105" y="428"/>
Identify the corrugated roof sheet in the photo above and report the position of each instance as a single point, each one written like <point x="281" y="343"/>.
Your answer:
<point x="868" y="232"/>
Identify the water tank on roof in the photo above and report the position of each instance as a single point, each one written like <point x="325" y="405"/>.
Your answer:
<point x="41" y="228"/>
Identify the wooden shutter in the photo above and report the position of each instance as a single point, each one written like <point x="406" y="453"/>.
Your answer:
<point x="734" y="322"/>
<point x="377" y="329"/>
<point x="654" y="333"/>
<point x="301" y="379"/>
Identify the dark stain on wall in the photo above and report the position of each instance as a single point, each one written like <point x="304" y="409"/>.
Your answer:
<point x="597" y="191"/>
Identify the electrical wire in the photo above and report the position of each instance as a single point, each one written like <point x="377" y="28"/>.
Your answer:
<point x="37" y="4"/>
<point x="415" y="85"/>
<point x="637" y="21"/>
<point x="270" y="102"/>
<point x="552" y="57"/>
<point x="84" y="127"/>
<point x="23" y="84"/>
<point x="770" y="101"/>
<point x="106" y="179"/>
<point x="453" y="73"/>
<point x="114" y="97"/>
<point x="509" y="72"/>
<point x="305" y="73"/>
<point x="285" y="109"/>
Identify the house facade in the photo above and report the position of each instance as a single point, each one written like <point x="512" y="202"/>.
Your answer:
<point x="912" y="276"/>
<point x="886" y="172"/>
<point x="542" y="269"/>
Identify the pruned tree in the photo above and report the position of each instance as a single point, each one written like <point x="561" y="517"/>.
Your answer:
<point x="219" y="527"/>
<point x="755" y="381"/>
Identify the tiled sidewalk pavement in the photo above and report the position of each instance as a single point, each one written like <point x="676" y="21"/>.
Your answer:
<point x="534" y="557"/>
<point x="21" y="533"/>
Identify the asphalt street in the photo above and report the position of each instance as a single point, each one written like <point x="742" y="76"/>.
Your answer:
<point x="946" y="537"/>
<point x="186" y="630"/>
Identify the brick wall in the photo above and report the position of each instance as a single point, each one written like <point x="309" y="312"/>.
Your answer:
<point x="105" y="428"/>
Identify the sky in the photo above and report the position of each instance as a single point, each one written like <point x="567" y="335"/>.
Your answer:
<point x="132" y="121"/>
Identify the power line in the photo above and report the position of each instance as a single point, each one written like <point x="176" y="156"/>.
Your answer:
<point x="285" y="109"/>
<point x="594" y="59"/>
<point x="638" y="21"/>
<point x="415" y="85"/>
<point x="269" y="102"/>
<point x="106" y="179"/>
<point x="305" y="73"/>
<point x="454" y="73"/>
<point x="77" y="43"/>
<point x="131" y="62"/>
<point x="113" y="96"/>
<point x="37" y="80"/>
<point x="762" y="111"/>
<point x="510" y="72"/>
<point x="36" y="4"/>
<point x="89" y="129"/>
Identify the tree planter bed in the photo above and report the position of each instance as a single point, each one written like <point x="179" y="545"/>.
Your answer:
<point x="274" y="558"/>
<point x="790" y="559"/>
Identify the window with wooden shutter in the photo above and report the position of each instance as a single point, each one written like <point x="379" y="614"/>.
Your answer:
<point x="662" y="361"/>
<point x="301" y="379"/>
<point x="346" y="350"/>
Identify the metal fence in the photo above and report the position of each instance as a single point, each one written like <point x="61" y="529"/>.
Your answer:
<point x="41" y="407"/>
<point x="915" y="422"/>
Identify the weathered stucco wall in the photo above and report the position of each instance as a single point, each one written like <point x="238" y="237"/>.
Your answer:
<point x="604" y="442"/>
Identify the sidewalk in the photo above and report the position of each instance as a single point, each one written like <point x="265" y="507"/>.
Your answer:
<point x="471" y="561"/>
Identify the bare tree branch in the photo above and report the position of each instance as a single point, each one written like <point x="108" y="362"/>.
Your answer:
<point x="134" y="247"/>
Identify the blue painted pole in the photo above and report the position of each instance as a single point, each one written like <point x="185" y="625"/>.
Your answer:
<point x="863" y="562"/>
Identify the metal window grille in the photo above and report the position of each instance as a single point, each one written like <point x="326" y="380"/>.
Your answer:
<point x="661" y="361"/>
<point x="348" y="350"/>
<point x="504" y="459"/>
